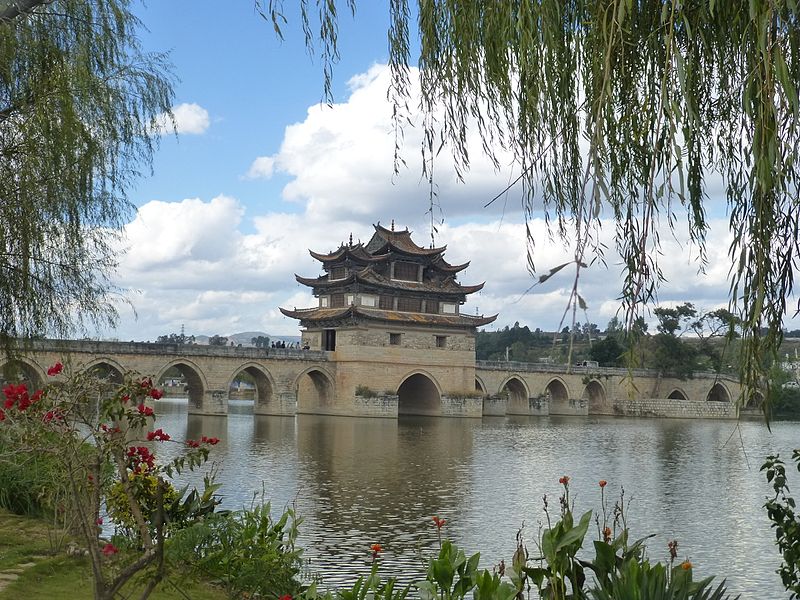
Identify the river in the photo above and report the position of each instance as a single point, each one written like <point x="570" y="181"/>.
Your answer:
<point x="358" y="481"/>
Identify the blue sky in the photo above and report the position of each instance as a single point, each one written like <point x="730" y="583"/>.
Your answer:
<point x="260" y="172"/>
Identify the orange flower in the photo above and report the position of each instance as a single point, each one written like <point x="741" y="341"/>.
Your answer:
<point x="603" y="483"/>
<point x="439" y="522"/>
<point x="376" y="550"/>
<point x="607" y="534"/>
<point x="564" y="480"/>
<point x="686" y="565"/>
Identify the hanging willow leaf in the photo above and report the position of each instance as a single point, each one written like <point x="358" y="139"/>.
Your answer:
<point x="553" y="271"/>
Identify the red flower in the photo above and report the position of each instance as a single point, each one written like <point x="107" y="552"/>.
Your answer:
<point x="99" y="520"/>
<point x="146" y="383"/>
<point x="156" y="394"/>
<point x="607" y="535"/>
<point x="564" y="480"/>
<point x="145" y="410"/>
<point x="210" y="440"/>
<point x="2" y="415"/>
<point x="140" y="459"/>
<point x="55" y="369"/>
<point x="37" y="395"/>
<point x="193" y="443"/>
<point x="439" y="522"/>
<point x="125" y="399"/>
<point x="110" y="549"/>
<point x="286" y="597"/>
<point x="376" y="550"/>
<point x="53" y="415"/>
<point x="157" y="435"/>
<point x="603" y="483"/>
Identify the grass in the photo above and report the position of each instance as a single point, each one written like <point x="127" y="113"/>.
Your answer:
<point x="56" y="576"/>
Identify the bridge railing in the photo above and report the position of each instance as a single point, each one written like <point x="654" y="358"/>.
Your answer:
<point x="502" y="365"/>
<point x="103" y="347"/>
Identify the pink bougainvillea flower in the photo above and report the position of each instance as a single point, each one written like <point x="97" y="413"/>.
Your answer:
<point x="210" y="440"/>
<point x="145" y="410"/>
<point x="110" y="549"/>
<point x="156" y="394"/>
<point x="193" y="443"/>
<point x="55" y="369"/>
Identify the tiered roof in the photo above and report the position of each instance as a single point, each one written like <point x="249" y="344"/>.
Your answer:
<point x="365" y="268"/>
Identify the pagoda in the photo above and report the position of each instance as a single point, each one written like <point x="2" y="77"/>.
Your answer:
<point x="389" y="314"/>
<point x="390" y="281"/>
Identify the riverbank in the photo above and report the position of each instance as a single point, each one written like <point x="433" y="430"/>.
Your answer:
<point x="34" y="564"/>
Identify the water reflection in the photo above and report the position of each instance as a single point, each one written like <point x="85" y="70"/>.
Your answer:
<point x="362" y="481"/>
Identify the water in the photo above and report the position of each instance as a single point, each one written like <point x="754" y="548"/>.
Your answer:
<point x="362" y="481"/>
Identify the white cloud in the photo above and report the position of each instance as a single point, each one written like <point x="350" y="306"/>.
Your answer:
<point x="212" y="267"/>
<point x="189" y="119"/>
<point x="261" y="168"/>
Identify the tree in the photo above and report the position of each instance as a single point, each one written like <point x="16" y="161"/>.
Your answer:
<point x="261" y="341"/>
<point x="79" y="106"/>
<point x="217" y="340"/>
<point x="666" y="95"/>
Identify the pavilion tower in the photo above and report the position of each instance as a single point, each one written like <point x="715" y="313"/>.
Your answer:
<point x="390" y="312"/>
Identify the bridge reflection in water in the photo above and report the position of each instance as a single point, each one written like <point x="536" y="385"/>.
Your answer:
<point x="359" y="481"/>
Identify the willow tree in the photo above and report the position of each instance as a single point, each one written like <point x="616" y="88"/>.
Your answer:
<point x="620" y="110"/>
<point x="78" y="102"/>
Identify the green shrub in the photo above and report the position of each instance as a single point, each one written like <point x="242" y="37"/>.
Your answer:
<point x="786" y="522"/>
<point x="246" y="552"/>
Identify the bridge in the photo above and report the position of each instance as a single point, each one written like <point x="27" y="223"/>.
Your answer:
<point x="291" y="381"/>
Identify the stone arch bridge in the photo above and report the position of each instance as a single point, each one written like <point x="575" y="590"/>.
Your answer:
<point x="288" y="381"/>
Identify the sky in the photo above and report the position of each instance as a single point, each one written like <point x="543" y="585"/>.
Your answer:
<point x="261" y="171"/>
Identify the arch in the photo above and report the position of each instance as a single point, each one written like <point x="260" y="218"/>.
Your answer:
<point x="558" y="393"/>
<point x="755" y="400"/>
<point x="677" y="394"/>
<point x="718" y="393"/>
<point x="516" y="390"/>
<point x="24" y="370"/>
<point x="265" y="384"/>
<point x="480" y="386"/>
<point x="419" y="394"/>
<point x="595" y="394"/>
<point x="196" y="384"/>
<point x="106" y="369"/>
<point x="315" y="391"/>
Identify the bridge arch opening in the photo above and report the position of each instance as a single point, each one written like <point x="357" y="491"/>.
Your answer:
<point x="314" y="392"/>
<point x="517" y="393"/>
<point x="189" y="377"/>
<point x="418" y="395"/>
<point x="755" y="400"/>
<point x="558" y="395"/>
<point x="479" y="386"/>
<point x="718" y="393"/>
<point x="22" y="371"/>
<point x="253" y="382"/>
<point x="595" y="394"/>
<point x="677" y="394"/>
<point x="106" y="371"/>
